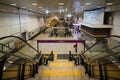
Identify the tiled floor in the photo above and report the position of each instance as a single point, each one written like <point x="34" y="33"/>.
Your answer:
<point x="60" y="48"/>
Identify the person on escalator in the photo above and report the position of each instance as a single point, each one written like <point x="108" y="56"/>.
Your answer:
<point x="75" y="47"/>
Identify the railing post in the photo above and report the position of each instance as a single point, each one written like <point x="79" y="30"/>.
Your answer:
<point x="23" y="72"/>
<point x="37" y="46"/>
<point x="19" y="72"/>
<point x="105" y="72"/>
<point x="101" y="72"/>
<point x="86" y="67"/>
<point x="33" y="70"/>
<point x="52" y="55"/>
<point x="40" y="60"/>
<point x="36" y="68"/>
<point x="82" y="60"/>
<point x="89" y="70"/>
<point x="70" y="56"/>
<point x="92" y="71"/>
<point x="2" y="67"/>
<point x="84" y="46"/>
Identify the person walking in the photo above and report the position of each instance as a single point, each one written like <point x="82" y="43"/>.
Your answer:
<point x="75" y="46"/>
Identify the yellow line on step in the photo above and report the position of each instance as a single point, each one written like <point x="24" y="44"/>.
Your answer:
<point x="65" y="64"/>
<point x="60" y="73"/>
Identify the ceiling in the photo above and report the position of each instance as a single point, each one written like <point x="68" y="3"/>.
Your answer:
<point x="59" y="6"/>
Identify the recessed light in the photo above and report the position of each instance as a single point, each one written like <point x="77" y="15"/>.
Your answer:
<point x="109" y="3"/>
<point x="34" y="4"/>
<point x="87" y="3"/>
<point x="13" y="4"/>
<point x="61" y="3"/>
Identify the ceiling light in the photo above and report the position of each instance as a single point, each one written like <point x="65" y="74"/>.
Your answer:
<point x="10" y="62"/>
<point x="13" y="4"/>
<point x="114" y="61"/>
<point x="69" y="15"/>
<point x="4" y="67"/>
<point x="99" y="6"/>
<point x="23" y="7"/>
<point x="39" y="7"/>
<point x="118" y="66"/>
<point x="109" y="3"/>
<point x="87" y="3"/>
<point x="43" y="9"/>
<point x="46" y="11"/>
<point x="34" y="4"/>
<point x="61" y="7"/>
<point x="61" y="4"/>
<point x="30" y="9"/>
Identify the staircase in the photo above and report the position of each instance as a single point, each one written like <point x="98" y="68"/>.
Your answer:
<point x="62" y="70"/>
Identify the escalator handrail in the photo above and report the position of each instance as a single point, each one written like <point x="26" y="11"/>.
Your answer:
<point x="17" y="51"/>
<point x="21" y="40"/>
<point x="17" y="56"/>
<point x="99" y="41"/>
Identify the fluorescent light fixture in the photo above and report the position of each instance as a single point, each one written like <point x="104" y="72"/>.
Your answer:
<point x="66" y="9"/>
<point x="69" y="15"/>
<point x="99" y="6"/>
<point x="34" y="4"/>
<point x="10" y="62"/>
<point x="61" y="7"/>
<point x="39" y="7"/>
<point x="46" y="11"/>
<point x="87" y="3"/>
<point x="4" y="67"/>
<point x="13" y="4"/>
<point x="61" y="4"/>
<point x="109" y="3"/>
<point x="30" y="9"/>
<point x="23" y="7"/>
<point x="60" y="11"/>
<point x="114" y="61"/>
<point x="43" y="9"/>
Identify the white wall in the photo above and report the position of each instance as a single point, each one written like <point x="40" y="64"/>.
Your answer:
<point x="11" y="24"/>
<point x="29" y="23"/>
<point x="94" y="17"/>
<point x="116" y="24"/>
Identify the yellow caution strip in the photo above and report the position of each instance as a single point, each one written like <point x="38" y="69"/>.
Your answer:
<point x="55" y="64"/>
<point x="60" y="73"/>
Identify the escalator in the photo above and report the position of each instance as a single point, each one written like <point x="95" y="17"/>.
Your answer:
<point x="18" y="59"/>
<point x="103" y="58"/>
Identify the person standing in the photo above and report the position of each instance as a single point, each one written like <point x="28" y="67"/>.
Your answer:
<point x="75" y="46"/>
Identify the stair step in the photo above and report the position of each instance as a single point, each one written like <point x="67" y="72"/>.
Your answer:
<point x="62" y="70"/>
